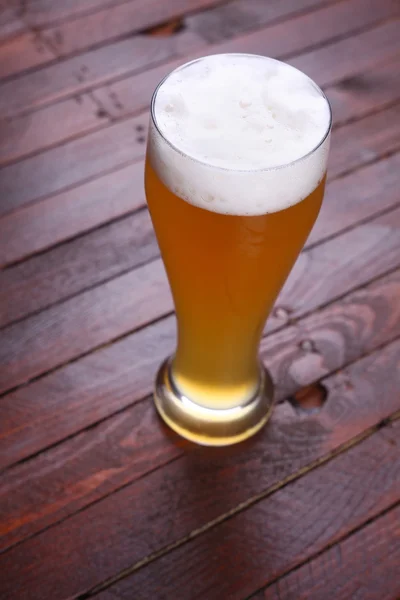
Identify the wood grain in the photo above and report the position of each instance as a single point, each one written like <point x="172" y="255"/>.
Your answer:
<point x="365" y="49"/>
<point x="24" y="52"/>
<point x="10" y="22"/>
<point x="280" y="531"/>
<point x="94" y="317"/>
<point x="364" y="565"/>
<point x="364" y="141"/>
<point x="100" y="255"/>
<point x="118" y="537"/>
<point x="77" y="265"/>
<point x="45" y="12"/>
<point x="119" y="20"/>
<point x="70" y="213"/>
<point x="356" y="197"/>
<point x="237" y="17"/>
<point x="365" y="92"/>
<point x="74" y="162"/>
<point x="80" y="73"/>
<point x="130" y="96"/>
<point x="42" y="129"/>
<point x="82" y="323"/>
<point x="118" y="448"/>
<point x="114" y="377"/>
<point x="43" y="224"/>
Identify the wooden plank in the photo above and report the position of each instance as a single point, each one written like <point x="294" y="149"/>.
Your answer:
<point x="82" y="393"/>
<point x="133" y="95"/>
<point x="365" y="49"/>
<point x="41" y="12"/>
<point x="364" y="565"/>
<point x="356" y="197"/>
<point x="77" y="265"/>
<point x="76" y="161"/>
<point x="365" y="92"/>
<point x="45" y="12"/>
<point x="333" y="57"/>
<point x="364" y="141"/>
<point x="87" y="261"/>
<point x="123" y="142"/>
<point x="11" y="23"/>
<point x="22" y="136"/>
<point x="118" y="20"/>
<point x="336" y="336"/>
<point x="71" y="213"/>
<point x="23" y="52"/>
<point x="80" y="73"/>
<point x="258" y="544"/>
<point x="241" y="16"/>
<point x="112" y="378"/>
<point x="115" y="539"/>
<point x="40" y="225"/>
<point x="84" y="322"/>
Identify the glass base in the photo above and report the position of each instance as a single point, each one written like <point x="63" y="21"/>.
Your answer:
<point x="207" y="426"/>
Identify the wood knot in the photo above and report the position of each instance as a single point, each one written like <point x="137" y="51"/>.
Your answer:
<point x="165" y="29"/>
<point x="310" y="399"/>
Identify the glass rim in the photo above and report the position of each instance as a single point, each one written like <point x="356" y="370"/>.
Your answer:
<point x="227" y="169"/>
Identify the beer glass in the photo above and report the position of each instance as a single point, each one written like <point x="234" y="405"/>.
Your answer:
<point x="235" y="174"/>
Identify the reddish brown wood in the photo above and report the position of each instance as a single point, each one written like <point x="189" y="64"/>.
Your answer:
<point x="364" y="565"/>
<point x="364" y="50"/>
<point x="11" y="23"/>
<point x="51" y="171"/>
<point x="84" y="322"/>
<point x="44" y="12"/>
<point x="102" y="254"/>
<point x="70" y="213"/>
<point x="77" y="265"/>
<point x="118" y="20"/>
<point x="82" y="392"/>
<point x="42" y="224"/>
<point x="80" y="73"/>
<point x="356" y="197"/>
<point x="40" y="130"/>
<point x="202" y="485"/>
<point x="23" y="52"/>
<point x="240" y="16"/>
<point x="364" y="141"/>
<point x="260" y="543"/>
<point x="365" y="92"/>
<point x="358" y="53"/>
<point x="73" y="162"/>
<point x="108" y="484"/>
<point x="110" y="379"/>
<point x="329" y="339"/>
<point x="105" y="253"/>
<point x="129" y="96"/>
<point x="351" y="259"/>
<point x="318" y="345"/>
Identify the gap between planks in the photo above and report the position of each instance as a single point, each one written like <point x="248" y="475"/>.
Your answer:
<point x="242" y="506"/>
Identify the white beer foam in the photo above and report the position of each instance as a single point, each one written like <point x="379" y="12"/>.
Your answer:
<point x="227" y="129"/>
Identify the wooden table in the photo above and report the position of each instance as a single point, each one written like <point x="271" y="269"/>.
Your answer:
<point x="97" y="498"/>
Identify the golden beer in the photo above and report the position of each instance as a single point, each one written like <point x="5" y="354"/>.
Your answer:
<point x="225" y="272"/>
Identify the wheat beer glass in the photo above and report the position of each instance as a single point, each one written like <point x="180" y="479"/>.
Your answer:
<point x="235" y="175"/>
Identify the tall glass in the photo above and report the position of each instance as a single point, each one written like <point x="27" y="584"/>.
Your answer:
<point x="229" y="228"/>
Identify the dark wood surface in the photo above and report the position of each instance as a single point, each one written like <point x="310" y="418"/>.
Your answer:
<point x="97" y="498"/>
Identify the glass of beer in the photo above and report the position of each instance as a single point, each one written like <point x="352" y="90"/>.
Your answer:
<point x="235" y="174"/>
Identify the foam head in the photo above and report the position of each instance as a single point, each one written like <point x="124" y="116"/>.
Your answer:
<point x="239" y="134"/>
